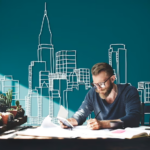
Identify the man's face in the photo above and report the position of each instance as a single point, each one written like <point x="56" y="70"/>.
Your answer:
<point x="102" y="77"/>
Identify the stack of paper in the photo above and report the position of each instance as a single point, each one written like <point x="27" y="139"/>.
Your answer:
<point x="49" y="129"/>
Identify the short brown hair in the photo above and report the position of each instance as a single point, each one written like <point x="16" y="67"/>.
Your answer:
<point x="97" y="68"/>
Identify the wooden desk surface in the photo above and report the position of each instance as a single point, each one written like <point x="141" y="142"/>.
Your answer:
<point x="43" y="143"/>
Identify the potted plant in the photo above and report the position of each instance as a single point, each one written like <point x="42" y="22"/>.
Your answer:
<point x="9" y="98"/>
<point x="17" y="105"/>
<point x="7" y="117"/>
<point x="3" y="103"/>
<point x="9" y="101"/>
<point x="12" y="110"/>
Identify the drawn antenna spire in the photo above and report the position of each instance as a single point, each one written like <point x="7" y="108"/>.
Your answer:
<point x="45" y="17"/>
<point x="45" y="12"/>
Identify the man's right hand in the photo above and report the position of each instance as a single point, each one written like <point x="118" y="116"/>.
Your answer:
<point x="71" y="120"/>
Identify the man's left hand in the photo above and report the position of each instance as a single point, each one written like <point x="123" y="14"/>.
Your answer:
<point x="94" y="124"/>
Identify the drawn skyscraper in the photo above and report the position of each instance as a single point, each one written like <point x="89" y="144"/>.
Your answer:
<point x="144" y="94"/>
<point x="42" y="78"/>
<point x="46" y="50"/>
<point x="118" y="60"/>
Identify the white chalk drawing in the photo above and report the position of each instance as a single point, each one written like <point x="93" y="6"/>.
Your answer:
<point x="6" y="83"/>
<point x="144" y="93"/>
<point x="66" y="69"/>
<point x="63" y="67"/>
<point x="118" y="61"/>
<point x="144" y="88"/>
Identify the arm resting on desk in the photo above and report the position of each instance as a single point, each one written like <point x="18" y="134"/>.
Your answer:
<point x="95" y="124"/>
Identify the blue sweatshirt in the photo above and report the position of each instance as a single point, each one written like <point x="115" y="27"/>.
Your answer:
<point x="126" y="106"/>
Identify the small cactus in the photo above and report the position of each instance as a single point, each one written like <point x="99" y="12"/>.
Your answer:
<point x="17" y="103"/>
<point x="9" y="97"/>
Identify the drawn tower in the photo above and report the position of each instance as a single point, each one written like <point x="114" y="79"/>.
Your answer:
<point x="117" y="54"/>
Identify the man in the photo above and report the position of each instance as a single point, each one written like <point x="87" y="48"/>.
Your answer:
<point x="117" y="102"/>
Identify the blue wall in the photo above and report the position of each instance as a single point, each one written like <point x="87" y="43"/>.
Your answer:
<point x="88" y="26"/>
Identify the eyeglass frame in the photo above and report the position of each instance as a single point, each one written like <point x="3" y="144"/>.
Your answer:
<point x="94" y="84"/>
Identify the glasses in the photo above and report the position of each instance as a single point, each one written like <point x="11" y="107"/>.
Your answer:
<point x="101" y="84"/>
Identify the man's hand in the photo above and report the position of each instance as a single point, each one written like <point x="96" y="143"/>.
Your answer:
<point x="71" y="120"/>
<point x="94" y="124"/>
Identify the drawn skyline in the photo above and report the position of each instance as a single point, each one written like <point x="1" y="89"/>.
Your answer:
<point x="61" y="66"/>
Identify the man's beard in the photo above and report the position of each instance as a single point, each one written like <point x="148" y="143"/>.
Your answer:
<point x="108" y="90"/>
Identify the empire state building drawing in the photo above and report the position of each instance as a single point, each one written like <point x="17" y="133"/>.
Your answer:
<point x="51" y="69"/>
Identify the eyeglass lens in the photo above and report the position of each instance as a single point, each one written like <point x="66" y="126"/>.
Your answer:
<point x="102" y="85"/>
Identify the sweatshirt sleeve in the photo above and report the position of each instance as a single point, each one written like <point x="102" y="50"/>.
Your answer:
<point x="84" y="110"/>
<point x="132" y="108"/>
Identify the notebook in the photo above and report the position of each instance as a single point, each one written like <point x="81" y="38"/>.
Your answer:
<point x="128" y="133"/>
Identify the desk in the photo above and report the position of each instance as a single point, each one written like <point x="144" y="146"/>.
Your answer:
<point x="38" y="143"/>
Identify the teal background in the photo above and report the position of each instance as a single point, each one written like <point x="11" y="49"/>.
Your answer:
<point x="88" y="26"/>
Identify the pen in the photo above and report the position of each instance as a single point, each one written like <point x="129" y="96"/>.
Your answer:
<point x="97" y="114"/>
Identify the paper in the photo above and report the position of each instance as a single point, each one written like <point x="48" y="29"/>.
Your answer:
<point x="49" y="132"/>
<point x="62" y="112"/>
<point x="127" y="133"/>
<point x="81" y="131"/>
<point x="85" y="132"/>
<point x="141" y="128"/>
<point x="47" y="123"/>
<point x="65" y="122"/>
<point x="48" y="129"/>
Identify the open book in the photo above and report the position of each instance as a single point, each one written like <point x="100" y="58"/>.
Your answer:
<point x="130" y="133"/>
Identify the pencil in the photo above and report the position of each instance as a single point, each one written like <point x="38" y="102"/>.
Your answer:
<point x="97" y="114"/>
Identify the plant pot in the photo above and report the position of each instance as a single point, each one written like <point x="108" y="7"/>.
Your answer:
<point x="14" y="112"/>
<point x="5" y="118"/>
<point x="15" y="107"/>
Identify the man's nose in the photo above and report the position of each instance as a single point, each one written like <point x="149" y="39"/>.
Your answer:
<point x="99" y="88"/>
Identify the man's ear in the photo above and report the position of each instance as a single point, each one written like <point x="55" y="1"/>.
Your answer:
<point x="113" y="78"/>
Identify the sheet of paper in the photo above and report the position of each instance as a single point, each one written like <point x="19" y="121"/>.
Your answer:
<point x="85" y="132"/>
<point x="47" y="123"/>
<point x="62" y="112"/>
<point x="49" y="132"/>
<point x="141" y="128"/>
<point x="79" y="131"/>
